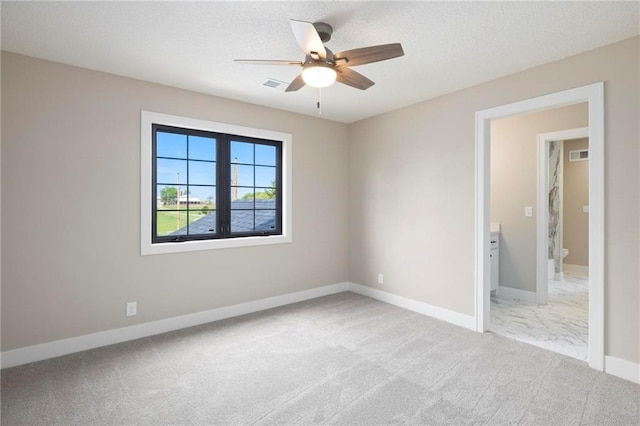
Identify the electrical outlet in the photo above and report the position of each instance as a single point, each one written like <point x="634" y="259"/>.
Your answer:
<point x="132" y="308"/>
<point x="380" y="278"/>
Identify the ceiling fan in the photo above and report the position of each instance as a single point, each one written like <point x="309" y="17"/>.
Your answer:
<point x="321" y="67"/>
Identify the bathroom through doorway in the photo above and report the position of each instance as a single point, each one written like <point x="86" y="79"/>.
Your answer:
<point x="518" y="255"/>
<point x="554" y="315"/>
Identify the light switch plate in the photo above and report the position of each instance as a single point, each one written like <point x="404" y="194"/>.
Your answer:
<point x="528" y="211"/>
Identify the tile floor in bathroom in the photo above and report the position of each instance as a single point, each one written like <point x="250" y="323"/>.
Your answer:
<point x="560" y="326"/>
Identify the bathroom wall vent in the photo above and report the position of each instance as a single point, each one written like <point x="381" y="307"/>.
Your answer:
<point x="579" y="155"/>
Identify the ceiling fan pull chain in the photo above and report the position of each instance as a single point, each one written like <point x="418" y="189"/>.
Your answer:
<point x="318" y="103"/>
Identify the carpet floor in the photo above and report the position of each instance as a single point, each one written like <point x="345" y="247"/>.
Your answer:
<point x="340" y="359"/>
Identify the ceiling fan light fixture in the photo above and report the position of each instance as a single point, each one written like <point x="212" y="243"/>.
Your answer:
<point x="319" y="75"/>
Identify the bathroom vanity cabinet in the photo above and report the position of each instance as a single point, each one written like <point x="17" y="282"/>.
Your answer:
<point x="495" y="260"/>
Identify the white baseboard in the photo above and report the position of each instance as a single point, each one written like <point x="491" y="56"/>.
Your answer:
<point x="452" y="317"/>
<point x="621" y="368"/>
<point x="615" y="366"/>
<point x="579" y="269"/>
<point x="90" y="341"/>
<point x="514" y="293"/>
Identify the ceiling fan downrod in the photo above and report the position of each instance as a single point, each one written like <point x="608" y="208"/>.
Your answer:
<point x="324" y="30"/>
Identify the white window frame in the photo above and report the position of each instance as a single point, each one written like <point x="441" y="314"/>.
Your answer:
<point x="147" y="247"/>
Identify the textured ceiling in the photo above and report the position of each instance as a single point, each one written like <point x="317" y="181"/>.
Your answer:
<point x="448" y="45"/>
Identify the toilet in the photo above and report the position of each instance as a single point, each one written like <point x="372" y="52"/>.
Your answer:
<point x="551" y="268"/>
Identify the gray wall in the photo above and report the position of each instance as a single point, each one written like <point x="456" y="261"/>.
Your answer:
<point x="514" y="185"/>
<point x="412" y="177"/>
<point x="575" y="223"/>
<point x="71" y="231"/>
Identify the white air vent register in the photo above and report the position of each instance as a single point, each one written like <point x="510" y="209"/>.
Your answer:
<point x="579" y="155"/>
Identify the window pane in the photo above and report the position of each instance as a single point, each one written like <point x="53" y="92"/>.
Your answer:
<point x="265" y="220"/>
<point x="243" y="216"/>
<point x="202" y="173"/>
<point x="171" y="223"/>
<point x="188" y="199"/>
<point x="241" y="220"/>
<point x="201" y="148"/>
<point x="171" y="171"/>
<point x="166" y="197"/>
<point x="242" y="152"/>
<point x="269" y="204"/>
<point x="171" y="145"/>
<point x="265" y="176"/>
<point x="241" y="175"/>
<point x="265" y="155"/>
<point x="202" y="198"/>
<point x="243" y="203"/>
<point x="244" y="194"/>
<point x="202" y="222"/>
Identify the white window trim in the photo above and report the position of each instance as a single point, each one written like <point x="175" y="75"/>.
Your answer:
<point x="146" y="191"/>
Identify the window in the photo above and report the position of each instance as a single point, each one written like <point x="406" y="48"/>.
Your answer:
<point x="211" y="185"/>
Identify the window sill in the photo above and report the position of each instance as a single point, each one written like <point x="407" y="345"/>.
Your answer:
<point x="164" y="248"/>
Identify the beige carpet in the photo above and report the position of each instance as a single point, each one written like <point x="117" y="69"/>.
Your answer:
<point x="341" y="359"/>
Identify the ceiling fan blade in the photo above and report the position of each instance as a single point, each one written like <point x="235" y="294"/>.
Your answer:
<point x="308" y="38"/>
<point x="367" y="55"/>
<point x="267" y="62"/>
<point x="296" y="84"/>
<point x="351" y="78"/>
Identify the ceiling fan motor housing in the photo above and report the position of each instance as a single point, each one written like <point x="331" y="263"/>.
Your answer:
<point x="324" y="31"/>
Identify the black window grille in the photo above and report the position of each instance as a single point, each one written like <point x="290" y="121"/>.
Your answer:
<point x="210" y="185"/>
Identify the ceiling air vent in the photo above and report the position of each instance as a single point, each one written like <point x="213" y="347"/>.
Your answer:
<point x="273" y="83"/>
<point x="579" y="155"/>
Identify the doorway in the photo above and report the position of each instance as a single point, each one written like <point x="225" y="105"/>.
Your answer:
<point x="543" y="306"/>
<point x="594" y="96"/>
<point x="549" y="241"/>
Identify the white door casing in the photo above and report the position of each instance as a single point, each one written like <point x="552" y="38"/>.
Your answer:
<point x="594" y="95"/>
